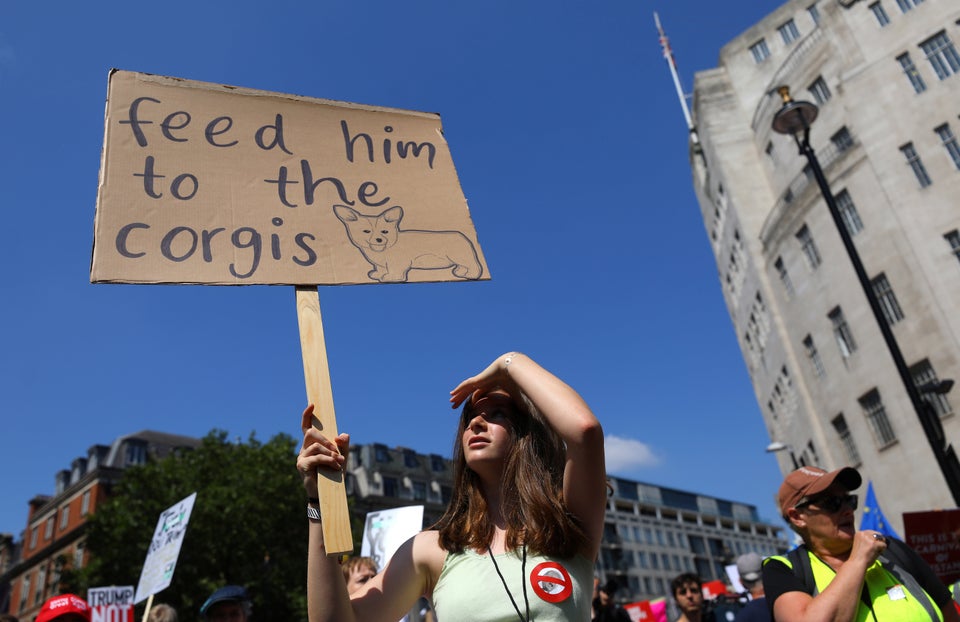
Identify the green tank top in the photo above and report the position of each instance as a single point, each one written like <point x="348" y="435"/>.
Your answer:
<point x="469" y="590"/>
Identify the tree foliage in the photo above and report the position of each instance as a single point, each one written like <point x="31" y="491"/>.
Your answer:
<point x="247" y="527"/>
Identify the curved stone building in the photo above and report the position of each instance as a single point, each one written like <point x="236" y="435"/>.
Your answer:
<point x="885" y="75"/>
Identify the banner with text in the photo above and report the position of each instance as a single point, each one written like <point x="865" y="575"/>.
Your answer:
<point x="935" y="535"/>
<point x="111" y="604"/>
<point x="213" y="184"/>
<point x="164" y="548"/>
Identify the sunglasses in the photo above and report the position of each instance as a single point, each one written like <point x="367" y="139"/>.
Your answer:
<point x="831" y="504"/>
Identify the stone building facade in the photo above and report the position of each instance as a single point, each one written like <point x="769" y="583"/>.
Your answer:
<point x="884" y="74"/>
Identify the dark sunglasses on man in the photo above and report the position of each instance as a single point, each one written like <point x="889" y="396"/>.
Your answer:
<point x="831" y="504"/>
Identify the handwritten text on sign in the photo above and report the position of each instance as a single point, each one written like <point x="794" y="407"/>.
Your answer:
<point x="209" y="184"/>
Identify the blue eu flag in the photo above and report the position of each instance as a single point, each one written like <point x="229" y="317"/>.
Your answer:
<point x="873" y="518"/>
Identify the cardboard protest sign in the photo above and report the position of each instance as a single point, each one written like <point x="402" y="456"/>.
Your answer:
<point x="164" y="548"/>
<point x="111" y="604"/>
<point x="204" y="183"/>
<point x="935" y="535"/>
<point x="385" y="530"/>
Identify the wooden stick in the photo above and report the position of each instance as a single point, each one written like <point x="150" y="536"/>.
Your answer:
<point x="337" y="537"/>
<point x="146" y="611"/>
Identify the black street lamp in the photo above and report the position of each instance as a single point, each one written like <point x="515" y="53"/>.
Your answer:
<point x="794" y="118"/>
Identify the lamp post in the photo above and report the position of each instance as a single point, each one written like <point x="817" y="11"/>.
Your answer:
<point x="794" y="118"/>
<point x="776" y="446"/>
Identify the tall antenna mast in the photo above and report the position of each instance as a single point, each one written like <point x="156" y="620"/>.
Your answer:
<point x="671" y="61"/>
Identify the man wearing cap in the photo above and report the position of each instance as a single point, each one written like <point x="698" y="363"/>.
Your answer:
<point x="749" y="567"/>
<point x="842" y="574"/>
<point x="64" y="608"/>
<point x="230" y="603"/>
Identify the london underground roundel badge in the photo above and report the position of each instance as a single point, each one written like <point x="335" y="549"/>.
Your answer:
<point x="551" y="582"/>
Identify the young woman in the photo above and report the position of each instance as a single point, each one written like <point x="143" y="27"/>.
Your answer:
<point x="521" y="533"/>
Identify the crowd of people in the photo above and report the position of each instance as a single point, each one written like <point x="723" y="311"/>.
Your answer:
<point x="521" y="534"/>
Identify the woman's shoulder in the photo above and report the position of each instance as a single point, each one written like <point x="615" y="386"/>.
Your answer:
<point x="427" y="551"/>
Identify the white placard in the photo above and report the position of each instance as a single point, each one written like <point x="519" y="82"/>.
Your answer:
<point x="164" y="549"/>
<point x="386" y="530"/>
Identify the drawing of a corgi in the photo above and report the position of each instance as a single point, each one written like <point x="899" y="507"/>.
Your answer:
<point x="393" y="251"/>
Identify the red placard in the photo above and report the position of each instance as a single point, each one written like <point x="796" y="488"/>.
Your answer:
<point x="935" y="536"/>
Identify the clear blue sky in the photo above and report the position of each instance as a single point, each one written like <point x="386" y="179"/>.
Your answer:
<point x="571" y="150"/>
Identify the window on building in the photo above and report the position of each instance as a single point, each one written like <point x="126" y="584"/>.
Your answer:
<point x="923" y="374"/>
<point x="419" y="491"/>
<point x="789" y="32"/>
<point x="381" y="453"/>
<point x="942" y="55"/>
<point x="842" y="333"/>
<point x="892" y="312"/>
<point x="809" y="247"/>
<point x="820" y="91"/>
<point x="389" y="486"/>
<point x="876" y="416"/>
<point x="848" y="213"/>
<point x="410" y="459"/>
<point x="906" y="5"/>
<point x="436" y="463"/>
<point x="816" y="363"/>
<point x="760" y="51"/>
<point x="846" y="439"/>
<point x="64" y="517"/>
<point x="814" y="13"/>
<point x="953" y="239"/>
<point x="136" y="452"/>
<point x="916" y="164"/>
<point x="78" y="554"/>
<point x="949" y="141"/>
<point x="85" y="504"/>
<point x="785" y="276"/>
<point x="38" y="596"/>
<point x="842" y="139"/>
<point x="880" y="13"/>
<point x="916" y="80"/>
<point x="48" y="530"/>
<point x="24" y="591"/>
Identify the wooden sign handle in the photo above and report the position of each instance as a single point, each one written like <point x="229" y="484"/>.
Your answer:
<point x="337" y="537"/>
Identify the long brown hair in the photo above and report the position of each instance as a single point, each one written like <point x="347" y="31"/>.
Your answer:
<point x="532" y="491"/>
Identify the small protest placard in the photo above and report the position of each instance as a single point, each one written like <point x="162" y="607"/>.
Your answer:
<point x="164" y="549"/>
<point x="111" y="604"/>
<point x="385" y="530"/>
<point x="935" y="535"/>
<point x="221" y="185"/>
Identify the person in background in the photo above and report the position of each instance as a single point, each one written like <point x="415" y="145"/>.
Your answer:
<point x="842" y="574"/>
<point x="749" y="566"/>
<point x="230" y="603"/>
<point x="64" y="608"/>
<point x="687" y="590"/>
<point x="357" y="571"/>
<point x="162" y="613"/>
<point x="522" y="531"/>
<point x="604" y="608"/>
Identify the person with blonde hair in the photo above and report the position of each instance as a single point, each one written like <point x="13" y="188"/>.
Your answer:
<point x="162" y="613"/>
<point x="357" y="571"/>
<point x="522" y="530"/>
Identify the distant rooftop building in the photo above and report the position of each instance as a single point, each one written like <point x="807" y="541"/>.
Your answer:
<point x="653" y="533"/>
<point x="885" y="77"/>
<point x="53" y="540"/>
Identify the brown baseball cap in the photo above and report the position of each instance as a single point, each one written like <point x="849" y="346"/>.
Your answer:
<point x="808" y="481"/>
